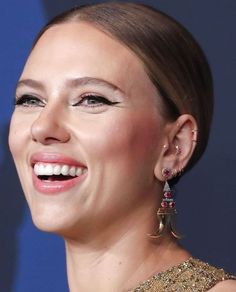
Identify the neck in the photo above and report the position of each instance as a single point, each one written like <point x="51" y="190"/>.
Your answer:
<point x="120" y="258"/>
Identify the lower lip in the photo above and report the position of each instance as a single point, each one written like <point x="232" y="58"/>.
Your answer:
<point x="55" y="187"/>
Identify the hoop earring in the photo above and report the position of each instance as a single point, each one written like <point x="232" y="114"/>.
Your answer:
<point x="167" y="211"/>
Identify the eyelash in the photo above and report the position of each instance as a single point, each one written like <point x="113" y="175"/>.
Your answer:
<point x="100" y="101"/>
<point x="29" y="101"/>
<point x="32" y="101"/>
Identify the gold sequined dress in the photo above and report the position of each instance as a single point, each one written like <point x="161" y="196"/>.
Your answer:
<point x="192" y="275"/>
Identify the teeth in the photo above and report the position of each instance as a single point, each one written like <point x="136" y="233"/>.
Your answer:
<point x="57" y="169"/>
<point x="36" y="168"/>
<point x="48" y="169"/>
<point x="78" y="171"/>
<point x="72" y="171"/>
<point x="41" y="169"/>
<point x="65" y="170"/>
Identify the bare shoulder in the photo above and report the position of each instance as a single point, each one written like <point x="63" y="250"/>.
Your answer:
<point x="224" y="286"/>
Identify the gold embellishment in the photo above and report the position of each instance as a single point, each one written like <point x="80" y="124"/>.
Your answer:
<point x="166" y="218"/>
<point x="166" y="212"/>
<point x="191" y="275"/>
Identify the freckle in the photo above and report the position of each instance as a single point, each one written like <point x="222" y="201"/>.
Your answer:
<point x="120" y="263"/>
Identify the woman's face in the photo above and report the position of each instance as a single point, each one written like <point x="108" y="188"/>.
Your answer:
<point x="86" y="132"/>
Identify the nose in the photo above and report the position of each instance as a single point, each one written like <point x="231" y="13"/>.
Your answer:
<point x="49" y="127"/>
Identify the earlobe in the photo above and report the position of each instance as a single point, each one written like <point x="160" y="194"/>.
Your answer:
<point x="160" y="165"/>
<point x="180" y="144"/>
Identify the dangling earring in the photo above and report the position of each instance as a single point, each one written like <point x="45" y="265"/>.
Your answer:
<point x="166" y="213"/>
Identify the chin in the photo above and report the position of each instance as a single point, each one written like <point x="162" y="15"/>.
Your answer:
<point x="49" y="219"/>
<point x="44" y="223"/>
<point x="60" y="221"/>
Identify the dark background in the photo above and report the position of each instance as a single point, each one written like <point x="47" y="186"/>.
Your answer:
<point x="33" y="261"/>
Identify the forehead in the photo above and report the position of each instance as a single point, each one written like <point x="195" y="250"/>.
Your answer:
<point x="78" y="49"/>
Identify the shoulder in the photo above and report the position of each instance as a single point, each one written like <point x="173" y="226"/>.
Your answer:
<point x="205" y="277"/>
<point x="224" y="286"/>
<point x="191" y="273"/>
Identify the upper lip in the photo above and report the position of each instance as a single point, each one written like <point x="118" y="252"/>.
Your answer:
<point x="54" y="157"/>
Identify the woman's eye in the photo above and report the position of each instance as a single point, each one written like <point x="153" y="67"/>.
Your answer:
<point x="94" y="101"/>
<point x="29" y="101"/>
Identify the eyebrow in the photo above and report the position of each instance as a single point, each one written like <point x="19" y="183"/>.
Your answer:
<point x="81" y="81"/>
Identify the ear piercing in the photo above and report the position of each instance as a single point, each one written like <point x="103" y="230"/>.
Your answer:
<point x="194" y="131"/>
<point x="178" y="150"/>
<point x="166" y="173"/>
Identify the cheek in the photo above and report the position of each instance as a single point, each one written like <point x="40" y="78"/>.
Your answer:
<point x="18" y="134"/>
<point x="18" y="138"/>
<point x="129" y="139"/>
<point x="122" y="154"/>
<point x="14" y="143"/>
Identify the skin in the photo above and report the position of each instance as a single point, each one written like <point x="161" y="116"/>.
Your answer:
<point x="109" y="140"/>
<point x="114" y="207"/>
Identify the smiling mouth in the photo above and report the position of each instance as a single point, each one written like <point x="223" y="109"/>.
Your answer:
<point x="52" y="172"/>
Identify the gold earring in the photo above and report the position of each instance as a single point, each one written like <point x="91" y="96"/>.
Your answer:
<point x="167" y="211"/>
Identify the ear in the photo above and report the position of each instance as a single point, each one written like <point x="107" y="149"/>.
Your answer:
<point x="179" y="144"/>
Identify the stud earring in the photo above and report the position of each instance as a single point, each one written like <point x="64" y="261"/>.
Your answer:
<point x="167" y="211"/>
<point x="177" y="150"/>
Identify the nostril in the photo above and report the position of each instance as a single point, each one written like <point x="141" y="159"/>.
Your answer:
<point x="50" y="140"/>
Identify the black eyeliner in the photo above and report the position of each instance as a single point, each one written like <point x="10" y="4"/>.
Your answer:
<point x="98" y="98"/>
<point x="25" y="99"/>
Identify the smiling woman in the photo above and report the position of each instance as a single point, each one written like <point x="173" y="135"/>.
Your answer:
<point x="114" y="102"/>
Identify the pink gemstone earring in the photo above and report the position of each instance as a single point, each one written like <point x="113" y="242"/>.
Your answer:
<point x="167" y="211"/>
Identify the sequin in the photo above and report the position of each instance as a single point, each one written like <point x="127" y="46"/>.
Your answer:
<point x="192" y="275"/>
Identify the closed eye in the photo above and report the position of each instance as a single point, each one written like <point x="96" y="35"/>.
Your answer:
<point x="94" y="101"/>
<point x="29" y="101"/>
